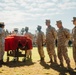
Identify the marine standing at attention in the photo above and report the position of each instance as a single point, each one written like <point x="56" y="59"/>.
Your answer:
<point x="40" y="41"/>
<point x="63" y="36"/>
<point x="51" y="35"/>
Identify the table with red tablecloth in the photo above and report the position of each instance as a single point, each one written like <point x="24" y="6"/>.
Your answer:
<point x="14" y="43"/>
<point x="11" y="42"/>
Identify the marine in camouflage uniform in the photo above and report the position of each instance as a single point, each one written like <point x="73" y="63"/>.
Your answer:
<point x="40" y="41"/>
<point x="2" y="37"/>
<point x="74" y="40"/>
<point x="51" y="35"/>
<point x="63" y="38"/>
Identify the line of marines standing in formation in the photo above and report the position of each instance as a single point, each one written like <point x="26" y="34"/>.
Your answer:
<point x="62" y="36"/>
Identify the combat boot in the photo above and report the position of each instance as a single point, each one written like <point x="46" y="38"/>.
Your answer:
<point x="3" y="63"/>
<point x="51" y="60"/>
<point x="0" y="63"/>
<point x="61" y="64"/>
<point x="42" y="59"/>
<point x="55" y="61"/>
<point x="68" y="66"/>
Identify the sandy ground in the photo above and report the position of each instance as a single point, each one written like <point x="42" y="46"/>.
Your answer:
<point x="35" y="67"/>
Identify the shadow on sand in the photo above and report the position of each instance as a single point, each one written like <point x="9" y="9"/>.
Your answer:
<point x="44" y="64"/>
<point x="62" y="70"/>
<point x="19" y="63"/>
<point x="56" y="67"/>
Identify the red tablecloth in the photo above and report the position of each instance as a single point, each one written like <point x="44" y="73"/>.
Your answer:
<point x="11" y="42"/>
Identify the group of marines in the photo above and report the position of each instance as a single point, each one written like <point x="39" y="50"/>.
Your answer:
<point x="62" y="35"/>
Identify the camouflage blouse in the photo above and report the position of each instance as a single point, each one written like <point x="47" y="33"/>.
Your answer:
<point x="63" y="35"/>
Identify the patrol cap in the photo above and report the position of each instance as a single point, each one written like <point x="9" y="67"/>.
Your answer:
<point x="58" y="22"/>
<point x="39" y="27"/>
<point x="74" y="19"/>
<point x="48" y="21"/>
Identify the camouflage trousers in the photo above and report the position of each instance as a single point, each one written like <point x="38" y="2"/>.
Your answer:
<point x="40" y="51"/>
<point x="51" y="51"/>
<point x="1" y="51"/>
<point x="62" y="52"/>
<point x="74" y="52"/>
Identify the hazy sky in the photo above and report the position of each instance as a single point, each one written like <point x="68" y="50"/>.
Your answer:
<point x="31" y="13"/>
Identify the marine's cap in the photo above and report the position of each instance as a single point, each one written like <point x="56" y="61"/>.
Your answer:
<point x="48" y="21"/>
<point x="58" y="22"/>
<point x="74" y="19"/>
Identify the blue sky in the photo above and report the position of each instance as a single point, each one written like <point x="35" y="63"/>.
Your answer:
<point x="31" y="13"/>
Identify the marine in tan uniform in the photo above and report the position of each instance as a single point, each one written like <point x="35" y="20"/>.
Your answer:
<point x="29" y="35"/>
<point x="51" y="35"/>
<point x="2" y="37"/>
<point x="63" y="36"/>
<point x="40" y="41"/>
<point x="74" y="39"/>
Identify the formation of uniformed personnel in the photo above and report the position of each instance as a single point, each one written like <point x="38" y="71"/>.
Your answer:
<point x="63" y="36"/>
<point x="74" y="40"/>
<point x="2" y="37"/>
<point x="51" y="35"/>
<point x="40" y="41"/>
